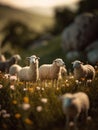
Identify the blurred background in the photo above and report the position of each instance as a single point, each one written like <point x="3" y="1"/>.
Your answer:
<point x="66" y="29"/>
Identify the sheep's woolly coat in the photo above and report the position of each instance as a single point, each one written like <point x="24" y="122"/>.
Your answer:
<point x="75" y="104"/>
<point x="14" y="69"/>
<point x="30" y="73"/>
<point x="5" y="65"/>
<point x="51" y="71"/>
<point x="83" y="71"/>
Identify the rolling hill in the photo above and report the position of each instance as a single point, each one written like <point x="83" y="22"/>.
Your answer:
<point x="33" y="20"/>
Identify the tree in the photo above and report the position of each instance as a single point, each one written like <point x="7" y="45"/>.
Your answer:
<point x="17" y="34"/>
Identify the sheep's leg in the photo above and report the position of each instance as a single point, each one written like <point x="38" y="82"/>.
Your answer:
<point x="67" y="122"/>
<point x="75" y="122"/>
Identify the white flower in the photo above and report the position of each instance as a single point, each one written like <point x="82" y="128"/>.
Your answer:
<point x="44" y="100"/>
<point x="38" y="88"/>
<point x="25" y="89"/>
<point x="13" y="78"/>
<point x="7" y="115"/>
<point x="1" y="86"/>
<point x="25" y="106"/>
<point x="12" y="87"/>
<point x="39" y="108"/>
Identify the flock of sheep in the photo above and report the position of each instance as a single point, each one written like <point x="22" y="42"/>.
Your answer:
<point x="72" y="104"/>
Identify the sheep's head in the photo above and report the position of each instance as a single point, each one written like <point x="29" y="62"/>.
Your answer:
<point x="67" y="100"/>
<point x="59" y="62"/>
<point x="77" y="64"/>
<point x="33" y="59"/>
<point x="17" y="57"/>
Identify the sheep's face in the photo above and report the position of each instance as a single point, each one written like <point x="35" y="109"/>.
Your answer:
<point x="59" y="62"/>
<point x="33" y="59"/>
<point x="67" y="102"/>
<point x="76" y="64"/>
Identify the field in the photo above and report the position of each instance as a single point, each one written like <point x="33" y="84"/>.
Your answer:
<point x="37" y="106"/>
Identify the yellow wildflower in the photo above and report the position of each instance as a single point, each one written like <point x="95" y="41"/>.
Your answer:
<point x="14" y="102"/>
<point x="28" y="121"/>
<point x="17" y="115"/>
<point x="26" y="99"/>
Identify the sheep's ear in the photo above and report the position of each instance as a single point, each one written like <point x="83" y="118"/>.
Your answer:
<point x="38" y="58"/>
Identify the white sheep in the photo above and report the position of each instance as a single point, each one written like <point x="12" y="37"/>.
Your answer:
<point x="84" y="72"/>
<point x="14" y="69"/>
<point x="51" y="71"/>
<point x="30" y="73"/>
<point x="74" y="106"/>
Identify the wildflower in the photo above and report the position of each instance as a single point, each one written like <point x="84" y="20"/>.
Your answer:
<point x="39" y="108"/>
<point x="7" y="76"/>
<point x="1" y="86"/>
<point x="28" y="121"/>
<point x="17" y="115"/>
<point x="25" y="106"/>
<point x="38" y="88"/>
<point x="26" y="99"/>
<point x="25" y="89"/>
<point x="44" y="100"/>
<point x="89" y="81"/>
<point x="43" y="89"/>
<point x="30" y="89"/>
<point x="7" y="115"/>
<point x="12" y="87"/>
<point x="13" y="78"/>
<point x="14" y="102"/>
<point x="3" y="111"/>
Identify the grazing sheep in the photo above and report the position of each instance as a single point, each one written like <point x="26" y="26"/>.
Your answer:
<point x="5" y="65"/>
<point x="30" y="73"/>
<point x="14" y="69"/>
<point x="74" y="106"/>
<point x="83" y="72"/>
<point x="51" y="71"/>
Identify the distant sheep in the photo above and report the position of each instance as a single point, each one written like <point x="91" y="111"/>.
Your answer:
<point x="74" y="106"/>
<point x="5" y="65"/>
<point x="30" y="73"/>
<point x="51" y="71"/>
<point x="14" y="69"/>
<point x="83" y="71"/>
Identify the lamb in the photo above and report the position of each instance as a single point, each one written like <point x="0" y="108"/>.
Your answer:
<point x="83" y="72"/>
<point x="30" y="73"/>
<point x="5" y="65"/>
<point x="14" y="69"/>
<point x="51" y="71"/>
<point x="74" y="106"/>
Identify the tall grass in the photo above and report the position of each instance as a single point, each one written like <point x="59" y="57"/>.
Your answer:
<point x="31" y="106"/>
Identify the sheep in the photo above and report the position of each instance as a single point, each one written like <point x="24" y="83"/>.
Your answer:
<point x="14" y="69"/>
<point x="30" y="73"/>
<point x="74" y="106"/>
<point x="83" y="72"/>
<point x="5" y="65"/>
<point x="51" y="71"/>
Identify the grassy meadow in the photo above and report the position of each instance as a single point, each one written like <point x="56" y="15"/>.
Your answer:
<point x="36" y="106"/>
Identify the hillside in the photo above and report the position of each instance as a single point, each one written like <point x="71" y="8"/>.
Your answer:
<point x="33" y="20"/>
